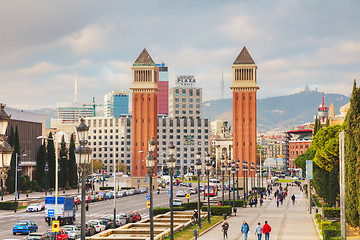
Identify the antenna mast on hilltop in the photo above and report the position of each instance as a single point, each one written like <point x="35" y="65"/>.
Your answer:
<point x="222" y="84"/>
<point x="76" y="87"/>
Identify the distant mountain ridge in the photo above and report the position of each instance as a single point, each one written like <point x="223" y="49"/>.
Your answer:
<point x="278" y="113"/>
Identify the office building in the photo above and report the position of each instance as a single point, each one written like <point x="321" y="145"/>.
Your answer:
<point x="163" y="86"/>
<point x="72" y="112"/>
<point x="116" y="103"/>
<point x="185" y="100"/>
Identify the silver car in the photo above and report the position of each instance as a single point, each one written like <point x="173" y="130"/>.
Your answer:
<point x="72" y="231"/>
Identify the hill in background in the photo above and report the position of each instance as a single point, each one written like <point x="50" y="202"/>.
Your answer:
<point x="278" y="113"/>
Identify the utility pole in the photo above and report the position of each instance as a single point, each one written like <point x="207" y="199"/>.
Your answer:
<point x="342" y="184"/>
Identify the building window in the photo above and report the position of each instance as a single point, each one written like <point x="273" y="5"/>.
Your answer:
<point x="176" y="99"/>
<point x="191" y="100"/>
<point x="177" y="105"/>
<point x="191" y="112"/>
<point x="197" y="105"/>
<point x="184" y="106"/>
<point x="197" y="93"/>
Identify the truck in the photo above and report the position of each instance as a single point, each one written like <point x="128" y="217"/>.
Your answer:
<point x="66" y="210"/>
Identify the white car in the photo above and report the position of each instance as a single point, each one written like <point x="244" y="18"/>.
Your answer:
<point x="73" y="231"/>
<point x="177" y="203"/>
<point x="97" y="225"/>
<point x="34" y="207"/>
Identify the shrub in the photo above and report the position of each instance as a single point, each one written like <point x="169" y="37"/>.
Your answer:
<point x="318" y="215"/>
<point x="329" y="232"/>
<point x="125" y="188"/>
<point x="106" y="188"/>
<point x="161" y="210"/>
<point x="331" y="212"/>
<point x="218" y="210"/>
<point x="193" y="178"/>
<point x="179" y="209"/>
<point x="191" y="205"/>
<point x="336" y="238"/>
<point x="324" y="224"/>
<point x="238" y="203"/>
<point x="9" y="205"/>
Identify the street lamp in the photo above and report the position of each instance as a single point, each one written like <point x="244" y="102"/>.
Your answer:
<point x="223" y="168"/>
<point x="46" y="169"/>
<point x="208" y="169"/>
<point x="198" y="169"/>
<point x="237" y="178"/>
<point x="171" y="162"/>
<point x="229" y="170"/>
<point x="5" y="148"/>
<point x="233" y="173"/>
<point x="252" y="169"/>
<point x="245" y="179"/>
<point x="150" y="164"/>
<point x="82" y="156"/>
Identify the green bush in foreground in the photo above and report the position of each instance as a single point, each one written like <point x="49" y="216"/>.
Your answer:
<point x="160" y="210"/>
<point x="191" y="205"/>
<point x="218" y="210"/>
<point x="238" y="203"/>
<point x="10" y="205"/>
<point x="331" y="212"/>
<point x="329" y="232"/>
<point x="322" y="225"/>
<point x="336" y="238"/>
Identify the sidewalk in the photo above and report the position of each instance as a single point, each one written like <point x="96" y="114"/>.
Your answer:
<point x="288" y="222"/>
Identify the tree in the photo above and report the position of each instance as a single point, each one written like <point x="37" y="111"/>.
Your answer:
<point x="352" y="135"/>
<point x="40" y="166"/>
<point x="10" y="182"/>
<point x="98" y="165"/>
<point x="120" y="167"/>
<point x="317" y="125"/>
<point x="51" y="161"/>
<point x="72" y="169"/>
<point x="63" y="162"/>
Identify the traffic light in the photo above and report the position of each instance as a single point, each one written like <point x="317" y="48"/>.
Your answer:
<point x="55" y="226"/>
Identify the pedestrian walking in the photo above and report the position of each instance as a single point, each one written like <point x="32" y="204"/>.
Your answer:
<point x="258" y="231"/>
<point x="277" y="202"/>
<point x="225" y="227"/>
<point x="266" y="230"/>
<point x="245" y="229"/>
<point x="293" y="199"/>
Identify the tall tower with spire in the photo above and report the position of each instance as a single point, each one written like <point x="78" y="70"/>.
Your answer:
<point x="144" y="113"/>
<point x="244" y="89"/>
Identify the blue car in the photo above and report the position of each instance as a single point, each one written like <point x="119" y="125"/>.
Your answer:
<point x="25" y="226"/>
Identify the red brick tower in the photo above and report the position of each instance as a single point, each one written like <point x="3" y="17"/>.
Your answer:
<point x="144" y="113"/>
<point x="244" y="109"/>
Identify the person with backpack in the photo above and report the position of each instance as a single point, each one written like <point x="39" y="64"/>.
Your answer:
<point x="258" y="231"/>
<point x="266" y="230"/>
<point x="225" y="227"/>
<point x="245" y="229"/>
<point x="293" y="199"/>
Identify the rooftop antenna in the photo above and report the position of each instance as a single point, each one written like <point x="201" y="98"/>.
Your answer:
<point x="76" y="87"/>
<point x="222" y="83"/>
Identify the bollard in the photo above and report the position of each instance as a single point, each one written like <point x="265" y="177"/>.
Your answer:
<point x="196" y="232"/>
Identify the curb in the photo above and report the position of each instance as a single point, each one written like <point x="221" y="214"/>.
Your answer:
<point x="210" y="228"/>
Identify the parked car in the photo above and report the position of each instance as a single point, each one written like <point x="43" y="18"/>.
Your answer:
<point x="102" y="196"/>
<point x="180" y="193"/>
<point x="109" y="195"/>
<point x="97" y="225"/>
<point x="34" y="236"/>
<point x="94" y="198"/>
<point x="177" y="203"/>
<point x="61" y="235"/>
<point x="89" y="229"/>
<point x="42" y="204"/>
<point x="34" y="207"/>
<point x="126" y="217"/>
<point x="192" y="191"/>
<point x="136" y="216"/>
<point x="106" y="221"/>
<point x="77" y="200"/>
<point x="24" y="226"/>
<point x="88" y="199"/>
<point x="73" y="231"/>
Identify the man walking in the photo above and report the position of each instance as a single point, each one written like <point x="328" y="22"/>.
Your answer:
<point x="258" y="231"/>
<point x="245" y="229"/>
<point x="266" y="230"/>
<point x="225" y="227"/>
<point x="293" y="199"/>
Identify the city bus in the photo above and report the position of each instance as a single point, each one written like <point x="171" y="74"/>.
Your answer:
<point x="213" y="190"/>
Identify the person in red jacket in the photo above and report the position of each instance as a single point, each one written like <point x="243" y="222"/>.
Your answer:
<point x="266" y="230"/>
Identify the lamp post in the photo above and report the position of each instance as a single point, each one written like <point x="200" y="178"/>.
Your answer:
<point x="245" y="178"/>
<point x="198" y="169"/>
<point x="208" y="169"/>
<point x="150" y="164"/>
<point x="5" y="148"/>
<point x="82" y="156"/>
<point x="46" y="170"/>
<point x="237" y="178"/>
<point x="223" y="168"/>
<point x="233" y="173"/>
<point x="229" y="170"/>
<point x="252" y="172"/>
<point x="17" y="182"/>
<point x="171" y="166"/>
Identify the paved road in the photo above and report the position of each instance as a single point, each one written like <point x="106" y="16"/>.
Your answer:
<point x="96" y="210"/>
<point x="288" y="222"/>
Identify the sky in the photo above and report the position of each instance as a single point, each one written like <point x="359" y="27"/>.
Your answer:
<point x="45" y="45"/>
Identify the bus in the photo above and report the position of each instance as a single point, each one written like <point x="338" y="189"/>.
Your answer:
<point x="213" y="190"/>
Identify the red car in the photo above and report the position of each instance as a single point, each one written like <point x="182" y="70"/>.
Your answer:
<point x="88" y="199"/>
<point x="77" y="200"/>
<point x="61" y="235"/>
<point x="135" y="215"/>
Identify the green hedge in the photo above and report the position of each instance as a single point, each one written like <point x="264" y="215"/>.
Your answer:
<point x="329" y="232"/>
<point x="238" y="203"/>
<point x="179" y="209"/>
<point x="106" y="188"/>
<point x="10" y="205"/>
<point x="126" y="188"/>
<point x="191" y="205"/>
<point x="218" y="210"/>
<point x="160" y="210"/>
<point x="331" y="212"/>
<point x="322" y="225"/>
<point x="336" y="238"/>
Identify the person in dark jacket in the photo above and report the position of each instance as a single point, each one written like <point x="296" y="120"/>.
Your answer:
<point x="293" y="199"/>
<point x="225" y="227"/>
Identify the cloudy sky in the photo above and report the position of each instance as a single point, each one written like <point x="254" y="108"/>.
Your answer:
<point x="44" y="44"/>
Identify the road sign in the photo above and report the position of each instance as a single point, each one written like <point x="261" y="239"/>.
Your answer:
<point x="55" y="226"/>
<point x="309" y="169"/>
<point x="147" y="197"/>
<point x="169" y="192"/>
<point x="188" y="196"/>
<point x="51" y="213"/>
<point x="148" y="204"/>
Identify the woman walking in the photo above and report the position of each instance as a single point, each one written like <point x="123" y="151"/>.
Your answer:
<point x="245" y="229"/>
